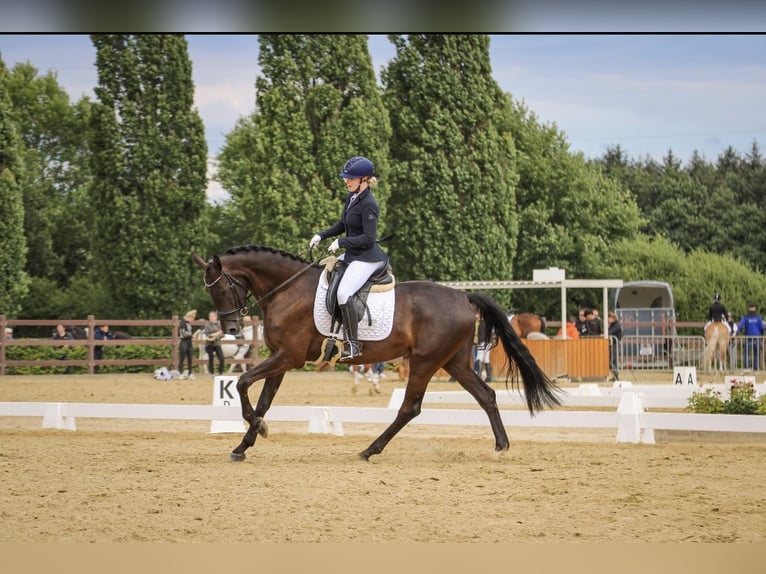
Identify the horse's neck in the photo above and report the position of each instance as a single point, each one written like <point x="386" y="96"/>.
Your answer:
<point x="269" y="271"/>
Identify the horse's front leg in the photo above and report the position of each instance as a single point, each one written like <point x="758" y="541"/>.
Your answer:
<point x="254" y="417"/>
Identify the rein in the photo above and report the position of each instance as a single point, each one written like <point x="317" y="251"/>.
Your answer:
<point x="244" y="308"/>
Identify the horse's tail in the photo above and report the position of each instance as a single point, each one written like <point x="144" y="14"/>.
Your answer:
<point x="539" y="390"/>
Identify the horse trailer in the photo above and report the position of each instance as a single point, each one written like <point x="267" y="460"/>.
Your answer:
<point x="646" y="312"/>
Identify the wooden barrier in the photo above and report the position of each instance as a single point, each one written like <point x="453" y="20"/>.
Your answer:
<point x="172" y="341"/>
<point x="580" y="358"/>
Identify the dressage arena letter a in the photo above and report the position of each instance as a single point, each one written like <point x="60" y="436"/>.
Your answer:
<point x="225" y="395"/>
<point x="685" y="376"/>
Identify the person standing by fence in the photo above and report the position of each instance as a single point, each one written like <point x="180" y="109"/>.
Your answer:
<point x="213" y="334"/>
<point x="752" y="327"/>
<point x="62" y="334"/>
<point x="100" y="334"/>
<point x="185" y="347"/>
<point x="615" y="336"/>
<point x="732" y="351"/>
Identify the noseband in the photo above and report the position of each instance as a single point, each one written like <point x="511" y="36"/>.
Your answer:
<point x="243" y="306"/>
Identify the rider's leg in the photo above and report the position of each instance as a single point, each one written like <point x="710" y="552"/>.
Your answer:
<point x="355" y="276"/>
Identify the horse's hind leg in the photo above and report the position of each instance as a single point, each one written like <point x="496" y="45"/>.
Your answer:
<point x="484" y="395"/>
<point x="419" y="378"/>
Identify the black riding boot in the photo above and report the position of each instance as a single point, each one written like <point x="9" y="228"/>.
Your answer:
<point x="351" y="330"/>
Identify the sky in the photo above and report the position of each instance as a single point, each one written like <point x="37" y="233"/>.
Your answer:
<point x="646" y="93"/>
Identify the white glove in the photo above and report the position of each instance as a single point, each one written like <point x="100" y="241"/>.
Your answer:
<point x="314" y="241"/>
<point x="334" y="246"/>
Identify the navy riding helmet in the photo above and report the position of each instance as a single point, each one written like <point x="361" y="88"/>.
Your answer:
<point x="358" y="166"/>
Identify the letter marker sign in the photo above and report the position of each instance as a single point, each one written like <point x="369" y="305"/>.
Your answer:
<point x="225" y="395"/>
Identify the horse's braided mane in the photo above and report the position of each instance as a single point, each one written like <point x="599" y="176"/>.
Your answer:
<point x="282" y="252"/>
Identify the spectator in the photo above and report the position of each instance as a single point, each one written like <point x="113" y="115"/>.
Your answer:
<point x="752" y="327"/>
<point x="100" y="334"/>
<point x="484" y="345"/>
<point x="592" y="326"/>
<point x="8" y="333"/>
<point x="185" y="347"/>
<point x="732" y="351"/>
<point x="580" y="322"/>
<point x="615" y="336"/>
<point x="213" y="334"/>
<point x="571" y="329"/>
<point x="62" y="334"/>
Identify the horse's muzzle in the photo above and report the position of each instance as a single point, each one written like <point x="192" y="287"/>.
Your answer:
<point x="231" y="326"/>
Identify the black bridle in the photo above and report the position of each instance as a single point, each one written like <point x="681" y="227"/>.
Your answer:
<point x="246" y="294"/>
<point x="240" y="298"/>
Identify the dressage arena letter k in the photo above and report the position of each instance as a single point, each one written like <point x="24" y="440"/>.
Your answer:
<point x="224" y="391"/>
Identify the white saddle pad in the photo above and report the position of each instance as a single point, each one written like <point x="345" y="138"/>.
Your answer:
<point x="381" y="310"/>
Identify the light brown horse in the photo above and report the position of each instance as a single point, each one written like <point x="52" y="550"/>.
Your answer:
<point x="283" y="285"/>
<point x="717" y="341"/>
<point x="525" y="323"/>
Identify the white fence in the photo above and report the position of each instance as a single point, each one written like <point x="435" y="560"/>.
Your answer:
<point x="630" y="421"/>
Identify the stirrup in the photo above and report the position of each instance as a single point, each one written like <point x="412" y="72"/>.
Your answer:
<point x="350" y="351"/>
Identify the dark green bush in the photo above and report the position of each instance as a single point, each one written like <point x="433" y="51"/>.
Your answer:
<point x="161" y="353"/>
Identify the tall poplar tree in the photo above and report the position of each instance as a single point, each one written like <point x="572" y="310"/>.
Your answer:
<point x="318" y="104"/>
<point x="454" y="177"/>
<point x="13" y="279"/>
<point x="150" y="160"/>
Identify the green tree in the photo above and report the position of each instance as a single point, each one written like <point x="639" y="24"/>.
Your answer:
<point x="570" y="211"/>
<point x="453" y="179"/>
<point x="149" y="164"/>
<point x="56" y="207"/>
<point x="694" y="277"/>
<point x="13" y="278"/>
<point x="318" y="105"/>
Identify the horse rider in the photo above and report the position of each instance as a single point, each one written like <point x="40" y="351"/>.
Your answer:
<point x="359" y="220"/>
<point x="717" y="313"/>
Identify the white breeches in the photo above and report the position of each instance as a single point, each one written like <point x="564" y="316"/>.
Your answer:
<point x="355" y="276"/>
<point x="483" y="353"/>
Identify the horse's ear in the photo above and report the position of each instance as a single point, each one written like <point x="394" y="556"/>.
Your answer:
<point x="199" y="261"/>
<point x="217" y="265"/>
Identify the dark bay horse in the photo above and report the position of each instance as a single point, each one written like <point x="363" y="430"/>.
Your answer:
<point x="284" y="285"/>
<point x="525" y="323"/>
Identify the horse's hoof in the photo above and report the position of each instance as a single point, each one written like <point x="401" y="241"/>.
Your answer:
<point x="237" y="456"/>
<point x="263" y="430"/>
<point x="355" y="388"/>
<point x="499" y="454"/>
<point x="364" y="455"/>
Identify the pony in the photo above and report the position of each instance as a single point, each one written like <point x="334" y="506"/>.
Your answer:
<point x="284" y="286"/>
<point x="716" y="345"/>
<point x="525" y="323"/>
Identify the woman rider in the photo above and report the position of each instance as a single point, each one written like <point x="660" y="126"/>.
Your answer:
<point x="359" y="220"/>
